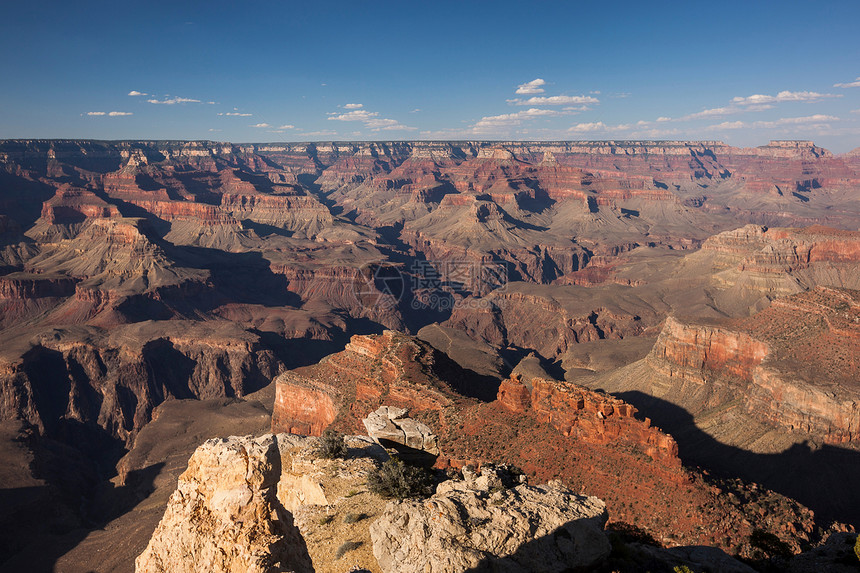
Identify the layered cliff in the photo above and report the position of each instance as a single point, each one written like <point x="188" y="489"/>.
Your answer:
<point x="792" y="365"/>
<point x="110" y="383"/>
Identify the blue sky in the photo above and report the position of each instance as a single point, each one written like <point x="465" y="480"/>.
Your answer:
<point x="742" y="72"/>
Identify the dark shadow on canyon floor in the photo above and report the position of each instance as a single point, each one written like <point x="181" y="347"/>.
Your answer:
<point x="823" y="479"/>
<point x="41" y="524"/>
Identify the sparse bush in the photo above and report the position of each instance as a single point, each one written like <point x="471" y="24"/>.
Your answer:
<point x="326" y="520"/>
<point x="351" y="493"/>
<point x="857" y="548"/>
<point x="346" y="547"/>
<point x="769" y="543"/>
<point x="396" y="479"/>
<point x="682" y="569"/>
<point x="331" y="445"/>
<point x="354" y="517"/>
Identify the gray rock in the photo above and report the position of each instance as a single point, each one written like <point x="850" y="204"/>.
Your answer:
<point x="392" y="424"/>
<point x="545" y="528"/>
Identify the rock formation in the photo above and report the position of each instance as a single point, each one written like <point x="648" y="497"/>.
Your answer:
<point x="585" y="415"/>
<point x="224" y="515"/>
<point x="796" y="362"/>
<point x="468" y="525"/>
<point x="598" y="442"/>
<point x="390" y="425"/>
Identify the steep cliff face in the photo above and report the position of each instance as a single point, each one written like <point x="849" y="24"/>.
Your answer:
<point x="112" y="383"/>
<point x="793" y="365"/>
<point x="693" y="351"/>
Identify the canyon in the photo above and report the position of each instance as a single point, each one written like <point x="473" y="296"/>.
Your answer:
<point x="669" y="326"/>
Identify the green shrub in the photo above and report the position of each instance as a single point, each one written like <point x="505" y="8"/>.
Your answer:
<point x="682" y="569"/>
<point x="396" y="479"/>
<point x="346" y="547"/>
<point x="331" y="445"/>
<point x="326" y="520"/>
<point x="857" y="548"/>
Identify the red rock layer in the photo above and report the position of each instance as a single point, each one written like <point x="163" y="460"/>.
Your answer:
<point x="794" y="365"/>
<point x="588" y="416"/>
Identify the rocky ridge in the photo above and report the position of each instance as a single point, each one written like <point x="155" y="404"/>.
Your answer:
<point x="600" y="445"/>
<point x="270" y="503"/>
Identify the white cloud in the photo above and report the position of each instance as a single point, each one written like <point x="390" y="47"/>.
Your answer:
<point x="137" y="93"/>
<point x="370" y="119"/>
<point x="96" y="113"/>
<point x="261" y="125"/>
<point x="416" y="110"/>
<point x="532" y="87"/>
<point x="386" y="125"/>
<point x="353" y="106"/>
<point x="555" y="100"/>
<point x="855" y="111"/>
<point x="287" y="127"/>
<point x="806" y="121"/>
<point x="236" y="114"/>
<point x="213" y="129"/>
<point x="597" y="126"/>
<point x="119" y="113"/>
<point x="587" y="127"/>
<point x="728" y="125"/>
<point x="661" y="119"/>
<point x="713" y="112"/>
<point x="782" y="96"/>
<point x="355" y="115"/>
<point x="817" y="118"/>
<point x="507" y="119"/>
<point x="854" y="84"/>
<point x="174" y="100"/>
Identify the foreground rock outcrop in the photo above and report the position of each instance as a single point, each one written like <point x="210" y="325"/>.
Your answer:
<point x="273" y="503"/>
<point x="225" y="515"/>
<point x="478" y="523"/>
<point x="270" y="503"/>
